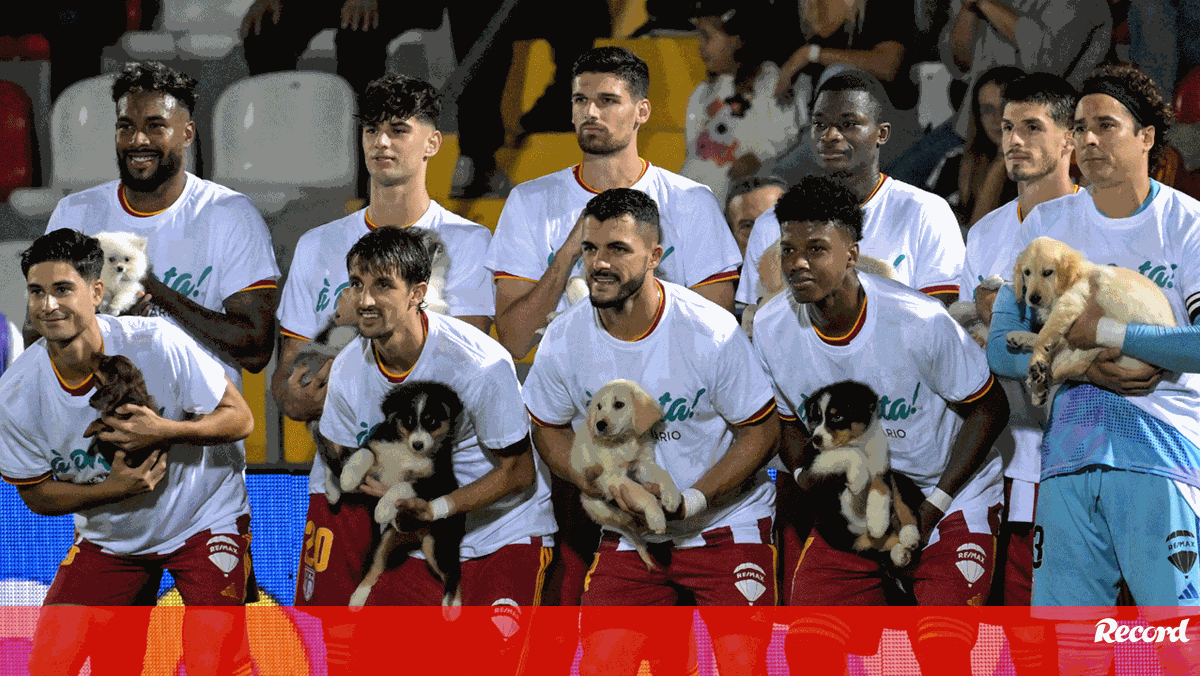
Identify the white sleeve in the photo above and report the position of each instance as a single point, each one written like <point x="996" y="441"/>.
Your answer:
<point x="969" y="279"/>
<point x="469" y="289"/>
<point x="248" y="255"/>
<point x="21" y="456"/>
<point x="766" y="230"/>
<point x="297" y="303"/>
<point x="337" y="419"/>
<point x="743" y="393"/>
<point x="496" y="407"/>
<point x="711" y="253"/>
<point x="198" y="379"/>
<point x="546" y="392"/>
<point x="950" y="360"/>
<point x="940" y="249"/>
<point x="513" y="251"/>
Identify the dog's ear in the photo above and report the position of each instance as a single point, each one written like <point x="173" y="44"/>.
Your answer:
<point x="646" y="411"/>
<point x="94" y="428"/>
<point x="138" y="243"/>
<point x="1018" y="276"/>
<point x="1070" y="268"/>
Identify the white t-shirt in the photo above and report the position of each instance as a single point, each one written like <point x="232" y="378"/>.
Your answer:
<point x="1163" y="243"/>
<point x="539" y="215"/>
<point x="318" y="274"/>
<point x="208" y="245"/>
<point x="481" y="372"/>
<point x="913" y="230"/>
<point x="41" y="435"/>
<point x="909" y="350"/>
<point x="697" y="363"/>
<point x="717" y="134"/>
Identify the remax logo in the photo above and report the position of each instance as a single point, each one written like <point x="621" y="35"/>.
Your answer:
<point x="1109" y="630"/>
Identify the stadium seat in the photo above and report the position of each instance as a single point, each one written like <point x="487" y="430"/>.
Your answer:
<point x="441" y="169"/>
<point x="539" y="155"/>
<point x="279" y="133"/>
<point x="197" y="29"/>
<point x="12" y="283"/>
<point x="1187" y="98"/>
<point x="665" y="149"/>
<point x="16" y="137"/>
<point x="675" y="70"/>
<point x="531" y="72"/>
<point x="254" y="391"/>
<point x="933" y="98"/>
<point x="298" y="446"/>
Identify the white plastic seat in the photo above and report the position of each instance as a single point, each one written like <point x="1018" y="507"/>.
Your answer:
<point x="279" y="133"/>
<point x="933" y="99"/>
<point x="12" y="283"/>
<point x="192" y="29"/>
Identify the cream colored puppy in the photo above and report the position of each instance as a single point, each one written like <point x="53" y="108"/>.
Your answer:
<point x="618" y="438"/>
<point x="1058" y="281"/>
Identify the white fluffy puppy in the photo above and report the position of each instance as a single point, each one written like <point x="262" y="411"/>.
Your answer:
<point x="125" y="265"/>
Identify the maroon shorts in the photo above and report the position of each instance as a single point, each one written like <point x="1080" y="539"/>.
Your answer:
<point x="339" y="541"/>
<point x="209" y="570"/>
<point x="510" y="576"/>
<point x="955" y="571"/>
<point x="1015" y="587"/>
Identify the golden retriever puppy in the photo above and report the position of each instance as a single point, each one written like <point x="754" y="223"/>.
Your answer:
<point x="1058" y="281"/>
<point x="618" y="439"/>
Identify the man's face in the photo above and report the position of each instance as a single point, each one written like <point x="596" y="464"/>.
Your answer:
<point x="716" y="46"/>
<point x="1107" y="148"/>
<point x="744" y="209"/>
<point x="617" y="260"/>
<point x="61" y="303"/>
<point x="990" y="111"/>
<point x="605" y="114"/>
<point x="815" y="258"/>
<point x="1034" y="145"/>
<point x="846" y="134"/>
<point x="153" y="131"/>
<point x="381" y="301"/>
<point x="396" y="150"/>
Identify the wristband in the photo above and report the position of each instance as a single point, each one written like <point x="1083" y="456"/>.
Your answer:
<point x="814" y="53"/>
<point x="694" y="502"/>
<point x="1110" y="333"/>
<point x="440" y="507"/>
<point x="940" y="499"/>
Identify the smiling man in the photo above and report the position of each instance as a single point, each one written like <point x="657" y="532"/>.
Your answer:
<point x="536" y="249"/>
<point x="911" y="229"/>
<point x="213" y="267"/>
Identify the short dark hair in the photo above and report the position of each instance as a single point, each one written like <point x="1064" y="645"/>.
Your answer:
<point x="618" y="61"/>
<point x="853" y="79"/>
<point x="822" y="199"/>
<point x="750" y="184"/>
<point x="67" y="246"/>
<point x="617" y="202"/>
<point x="399" y="96"/>
<point x="1048" y="90"/>
<point x="1140" y="96"/>
<point x="391" y="251"/>
<point x="152" y="76"/>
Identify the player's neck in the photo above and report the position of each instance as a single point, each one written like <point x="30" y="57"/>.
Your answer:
<point x="1123" y="199"/>
<point x="619" y="170"/>
<point x="402" y="349"/>
<point x="837" y="313"/>
<point x="158" y="199"/>
<point x="76" y="358"/>
<point x="864" y="185"/>
<point x="398" y="205"/>
<point x="635" y="319"/>
<point x="1051" y="186"/>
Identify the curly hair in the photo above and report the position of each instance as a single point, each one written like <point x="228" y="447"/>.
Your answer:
<point x="1140" y="96"/>
<point x="399" y="96"/>
<point x="152" y="76"/>
<point x="821" y="199"/>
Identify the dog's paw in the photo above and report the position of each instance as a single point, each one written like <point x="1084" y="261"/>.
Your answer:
<point x="909" y="536"/>
<point x="1022" y="341"/>
<point x="656" y="521"/>
<point x="879" y="514"/>
<point x="1038" y="380"/>
<point x="385" y="511"/>
<point x="901" y="556"/>
<point x="856" y="477"/>
<point x="671" y="498"/>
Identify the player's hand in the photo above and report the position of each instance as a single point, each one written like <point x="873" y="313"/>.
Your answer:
<point x="805" y="481"/>
<point x="984" y="300"/>
<point x="415" y="507"/>
<point x="624" y="499"/>
<point x="655" y="489"/>
<point x="1127" y="382"/>
<point x="360" y="15"/>
<point x="573" y="247"/>
<point x="587" y="485"/>
<point x="136" y="427"/>
<point x="371" y="486"/>
<point x="255" y="14"/>
<point x="306" y="402"/>
<point x="140" y="307"/>
<point x="127" y="480"/>
<point x="928" y="517"/>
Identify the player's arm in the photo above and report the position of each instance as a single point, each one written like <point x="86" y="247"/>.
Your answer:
<point x="553" y="444"/>
<point x="245" y="331"/>
<point x="55" y="498"/>
<point x="481" y="322"/>
<point x="230" y="421"/>
<point x="962" y="36"/>
<point x="984" y="418"/>
<point x="793" y="443"/>
<point x="297" y="401"/>
<point x="1175" y="348"/>
<point x="513" y="473"/>
<point x="720" y="292"/>
<point x="754" y="442"/>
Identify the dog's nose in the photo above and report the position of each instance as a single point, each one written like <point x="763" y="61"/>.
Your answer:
<point x="418" y="445"/>
<point x="1035" y="299"/>
<point x="120" y="268"/>
<point x="601" y="425"/>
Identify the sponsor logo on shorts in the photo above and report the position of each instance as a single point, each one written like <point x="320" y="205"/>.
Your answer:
<point x="971" y="561"/>
<point x="1181" y="553"/>
<point x="310" y="582"/>
<point x="506" y="615"/>
<point x="224" y="553"/>
<point x="1109" y="630"/>
<point x="750" y="580"/>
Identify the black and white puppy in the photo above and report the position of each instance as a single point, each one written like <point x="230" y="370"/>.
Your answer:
<point x="410" y="453"/>
<point x="859" y="503"/>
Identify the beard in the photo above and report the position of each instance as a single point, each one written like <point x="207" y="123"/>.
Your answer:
<point x="600" y="145"/>
<point x="624" y="292"/>
<point x="1032" y="174"/>
<point x="169" y="165"/>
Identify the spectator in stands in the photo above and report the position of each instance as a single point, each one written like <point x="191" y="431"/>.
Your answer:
<point x="972" y="177"/>
<point x="1163" y="40"/>
<point x="734" y="121"/>
<point x="747" y="200"/>
<point x="1063" y="37"/>
<point x="77" y="30"/>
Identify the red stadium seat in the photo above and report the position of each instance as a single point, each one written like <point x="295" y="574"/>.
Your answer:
<point x="16" y="137"/>
<point x="1187" y="98"/>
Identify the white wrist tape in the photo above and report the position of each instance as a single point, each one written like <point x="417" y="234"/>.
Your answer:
<point x="1110" y="333"/>
<point x="694" y="502"/>
<point x="440" y="507"/>
<point x="940" y="499"/>
<point x="814" y="53"/>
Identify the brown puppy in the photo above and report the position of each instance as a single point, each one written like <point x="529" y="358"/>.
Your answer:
<point x="120" y="383"/>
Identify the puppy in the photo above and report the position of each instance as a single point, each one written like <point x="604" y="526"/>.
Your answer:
<point x="435" y="295"/>
<point x="120" y="383"/>
<point x="1058" y="281"/>
<point x="125" y="266"/>
<point x="618" y="438"/>
<point x="410" y="453"/>
<point x="872" y="509"/>
<point x="576" y="291"/>
<point x="966" y="312"/>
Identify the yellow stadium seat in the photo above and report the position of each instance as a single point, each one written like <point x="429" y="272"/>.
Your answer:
<point x="541" y="154"/>
<point x="627" y="16"/>
<point x="665" y="149"/>
<point x="298" y="446"/>
<point x="441" y="168"/>
<point x="531" y="72"/>
<point x="254" y="390"/>
<point x="675" y="70"/>
<point x="485" y="212"/>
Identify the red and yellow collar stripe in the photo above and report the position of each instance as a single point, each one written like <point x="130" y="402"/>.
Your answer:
<point x="130" y="210"/>
<point x="542" y="423"/>
<point x="578" y="171"/>
<point x="981" y="391"/>
<point x="841" y="341"/>
<point x="392" y="376"/>
<point x="1021" y="211"/>
<point x="939" y="289"/>
<point x="27" y="482"/>
<point x="84" y="386"/>
<point x="786" y="417"/>
<point x="262" y="284"/>
<point x="658" y="314"/>
<point x="372" y="225"/>
<point x="882" y="178"/>
<point x="719" y="277"/>
<point x="500" y="274"/>
<point x="292" y="334"/>
<point x="762" y="413"/>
